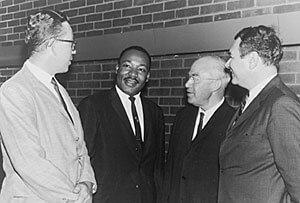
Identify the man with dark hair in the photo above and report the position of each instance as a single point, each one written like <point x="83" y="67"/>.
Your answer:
<point x="193" y="158"/>
<point x="124" y="133"/>
<point x="44" y="154"/>
<point x="259" y="158"/>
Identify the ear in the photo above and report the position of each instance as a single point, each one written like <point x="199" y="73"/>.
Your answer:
<point x="216" y="85"/>
<point x="117" y="68"/>
<point x="148" y="76"/>
<point x="253" y="60"/>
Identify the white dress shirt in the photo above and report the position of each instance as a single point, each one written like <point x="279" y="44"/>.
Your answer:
<point x="127" y="106"/>
<point x="207" y="115"/>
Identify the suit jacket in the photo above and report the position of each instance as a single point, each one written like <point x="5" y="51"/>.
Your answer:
<point x="44" y="154"/>
<point x="123" y="173"/>
<point x="260" y="157"/>
<point x="192" y="166"/>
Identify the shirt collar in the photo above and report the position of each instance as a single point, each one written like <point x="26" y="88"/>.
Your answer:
<point x="124" y="96"/>
<point x="211" y="110"/>
<point x="39" y="73"/>
<point x="257" y="89"/>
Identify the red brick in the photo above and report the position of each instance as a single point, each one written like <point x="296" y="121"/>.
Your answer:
<point x="269" y="2"/>
<point x="19" y="1"/>
<point x="164" y="15"/>
<point x="142" y="2"/>
<point x="104" y="7"/>
<point x="198" y="2"/>
<point x="3" y="24"/>
<point x="182" y="72"/>
<point x="286" y="8"/>
<point x="122" y="4"/>
<point x="189" y="62"/>
<point x="215" y="8"/>
<point x="289" y="67"/>
<point x="87" y="10"/>
<point x="39" y="3"/>
<point x="76" y="4"/>
<point x="75" y="84"/>
<point x="112" y="14"/>
<point x="94" y="33"/>
<point x="178" y="91"/>
<point x="94" y="17"/>
<point x="13" y="8"/>
<point x="227" y="16"/>
<point x="72" y="13"/>
<point x="89" y="2"/>
<point x="19" y="15"/>
<point x="3" y="10"/>
<point x="103" y="24"/>
<point x="132" y="28"/>
<point x="171" y="63"/>
<point x="153" y="26"/>
<point x="153" y="8"/>
<point x="159" y="92"/>
<point x="240" y="4"/>
<point x="85" y="26"/>
<point x="256" y="12"/>
<point x="3" y="38"/>
<point x="174" y="4"/>
<point x="101" y="76"/>
<point x="77" y="20"/>
<point x="142" y="19"/>
<point x="131" y="11"/>
<point x="289" y="55"/>
<point x="26" y="6"/>
<point x="54" y="2"/>
<point x="112" y="31"/>
<point x="91" y="84"/>
<point x="19" y="42"/>
<point x="187" y="12"/>
<point x="7" y="17"/>
<point x="176" y="23"/>
<point x="107" y="84"/>
<point x="121" y="22"/>
<point x="7" y="3"/>
<point x="173" y="82"/>
<point x="153" y="83"/>
<point x="288" y="78"/>
<point x="63" y="6"/>
<point x="92" y="68"/>
<point x="79" y="35"/>
<point x="13" y="23"/>
<point x="108" y="67"/>
<point x="84" y="92"/>
<point x="4" y="31"/>
<point x="295" y="88"/>
<point x="170" y="101"/>
<point x="160" y="73"/>
<point x="31" y="11"/>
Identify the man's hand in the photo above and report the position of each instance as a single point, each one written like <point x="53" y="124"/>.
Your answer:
<point x="84" y="189"/>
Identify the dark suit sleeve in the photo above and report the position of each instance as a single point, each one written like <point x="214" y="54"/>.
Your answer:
<point x="160" y="161"/>
<point x="89" y="120"/>
<point x="284" y="136"/>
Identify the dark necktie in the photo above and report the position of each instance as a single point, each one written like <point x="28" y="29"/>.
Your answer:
<point x="54" y="83"/>
<point x="138" y="132"/>
<point x="241" y="109"/>
<point x="200" y="124"/>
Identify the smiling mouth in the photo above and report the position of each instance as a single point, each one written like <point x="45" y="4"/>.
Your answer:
<point x="131" y="82"/>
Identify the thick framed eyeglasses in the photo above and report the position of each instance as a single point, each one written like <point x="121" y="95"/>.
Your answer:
<point x="69" y="41"/>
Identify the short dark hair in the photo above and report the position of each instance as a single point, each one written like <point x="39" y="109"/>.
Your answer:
<point x="264" y="41"/>
<point x="138" y="48"/>
<point x="42" y="26"/>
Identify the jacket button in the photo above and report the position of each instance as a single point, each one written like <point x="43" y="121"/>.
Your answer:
<point x="183" y="177"/>
<point x="136" y="186"/>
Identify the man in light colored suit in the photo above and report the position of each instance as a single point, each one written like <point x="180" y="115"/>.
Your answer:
<point x="45" y="157"/>
<point x="260" y="156"/>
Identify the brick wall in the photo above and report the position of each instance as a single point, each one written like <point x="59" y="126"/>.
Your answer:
<point x="102" y="17"/>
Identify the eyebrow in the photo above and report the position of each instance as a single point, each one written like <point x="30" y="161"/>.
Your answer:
<point x="145" y="65"/>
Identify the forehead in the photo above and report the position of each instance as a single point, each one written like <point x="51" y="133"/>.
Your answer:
<point x="201" y="67"/>
<point x="67" y="31"/>
<point x="133" y="55"/>
<point x="235" y="49"/>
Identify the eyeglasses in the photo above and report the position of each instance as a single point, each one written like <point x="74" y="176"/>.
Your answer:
<point x="195" y="78"/>
<point x="69" y="41"/>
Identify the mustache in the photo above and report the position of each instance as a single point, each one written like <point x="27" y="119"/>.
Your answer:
<point x="132" y="78"/>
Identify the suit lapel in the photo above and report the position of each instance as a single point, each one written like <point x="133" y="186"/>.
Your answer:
<point x="255" y="104"/>
<point x="119" y="109"/>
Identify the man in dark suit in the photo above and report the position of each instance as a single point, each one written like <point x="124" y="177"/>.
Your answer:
<point x="260" y="156"/>
<point x="126" y="150"/>
<point x="192" y="165"/>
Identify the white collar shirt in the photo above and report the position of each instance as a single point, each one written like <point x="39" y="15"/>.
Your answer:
<point x="207" y="115"/>
<point x="127" y="106"/>
<point x="256" y="90"/>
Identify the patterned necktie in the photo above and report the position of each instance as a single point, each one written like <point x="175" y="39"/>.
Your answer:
<point x="138" y="132"/>
<point x="55" y="85"/>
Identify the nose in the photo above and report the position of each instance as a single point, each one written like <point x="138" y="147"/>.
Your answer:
<point x="227" y="65"/>
<point x="188" y="83"/>
<point x="133" y="72"/>
<point x="74" y="52"/>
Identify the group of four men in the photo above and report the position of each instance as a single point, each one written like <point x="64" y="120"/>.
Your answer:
<point x="216" y="154"/>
